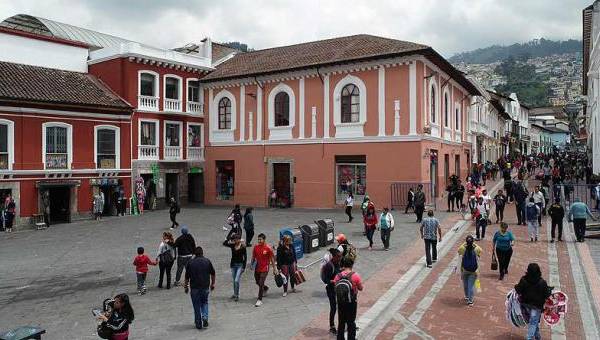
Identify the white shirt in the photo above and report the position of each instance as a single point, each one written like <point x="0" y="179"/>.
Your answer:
<point x="538" y="198"/>
<point x="349" y="201"/>
<point x="487" y="199"/>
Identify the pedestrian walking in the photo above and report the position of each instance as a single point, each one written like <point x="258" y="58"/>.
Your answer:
<point x="328" y="273"/>
<point x="540" y="201"/>
<point x="469" y="269"/>
<point x="97" y="206"/>
<point x="349" y="205"/>
<point x="166" y="258"/>
<point x="141" y="262"/>
<point x="286" y="263"/>
<point x="481" y="217"/>
<point x="500" y="202"/>
<point x="430" y="230"/>
<point x="118" y="318"/>
<point x="200" y="279"/>
<point x="386" y="225"/>
<point x="140" y="193"/>
<point x="121" y="201"/>
<point x="46" y="207"/>
<point x="410" y="200"/>
<point x="451" y="190"/>
<point x="9" y="213"/>
<point x="578" y="214"/>
<point x="533" y="291"/>
<point x="419" y="203"/>
<point x="532" y="213"/>
<point x="262" y="257"/>
<point x="557" y="214"/>
<point x="249" y="225"/>
<point x="173" y="211"/>
<point x="347" y="284"/>
<point x="239" y="257"/>
<point x="185" y="245"/>
<point x="370" y="221"/>
<point x="459" y="194"/>
<point x="520" y="194"/>
<point x="503" y="242"/>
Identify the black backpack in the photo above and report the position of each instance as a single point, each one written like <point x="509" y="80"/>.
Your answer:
<point x="343" y="289"/>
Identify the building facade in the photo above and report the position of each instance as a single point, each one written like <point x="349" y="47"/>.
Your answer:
<point x="591" y="81"/>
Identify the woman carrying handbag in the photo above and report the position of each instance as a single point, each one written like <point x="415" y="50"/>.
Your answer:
<point x="503" y="248"/>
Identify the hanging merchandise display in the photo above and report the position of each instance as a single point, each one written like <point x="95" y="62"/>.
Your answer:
<point x="555" y="308"/>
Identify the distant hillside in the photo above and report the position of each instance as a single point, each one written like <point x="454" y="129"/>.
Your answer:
<point x="532" y="49"/>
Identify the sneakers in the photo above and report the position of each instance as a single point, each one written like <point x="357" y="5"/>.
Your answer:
<point x="470" y="303"/>
<point x="332" y="330"/>
<point x="258" y="303"/>
<point x="233" y="297"/>
<point x="204" y="323"/>
<point x="236" y="299"/>
<point x="284" y="294"/>
<point x="429" y="266"/>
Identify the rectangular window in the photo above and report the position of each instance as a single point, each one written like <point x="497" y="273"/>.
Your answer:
<point x="106" y="157"/>
<point x="194" y="91"/>
<point x="148" y="133"/>
<point x="172" y="134"/>
<point x="3" y="146"/>
<point x="194" y="138"/>
<point x="147" y="85"/>
<point x="56" y="147"/>
<point x="225" y="179"/>
<point x="351" y="176"/>
<point x="172" y="88"/>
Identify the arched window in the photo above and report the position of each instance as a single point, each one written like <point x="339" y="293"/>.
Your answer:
<point x="224" y="114"/>
<point x="457" y="120"/>
<point x="350" y="104"/>
<point x="446" y="110"/>
<point x="282" y="109"/>
<point x="432" y="103"/>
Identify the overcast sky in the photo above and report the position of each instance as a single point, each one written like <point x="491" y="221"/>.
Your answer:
<point x="449" y="26"/>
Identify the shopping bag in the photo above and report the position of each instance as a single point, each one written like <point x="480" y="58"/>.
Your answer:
<point x="299" y="277"/>
<point x="494" y="264"/>
<point x="478" y="286"/>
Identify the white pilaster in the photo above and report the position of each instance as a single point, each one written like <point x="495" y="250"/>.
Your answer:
<point x="396" y="117"/>
<point x="242" y="112"/>
<point x="301" y="108"/>
<point x="381" y="100"/>
<point x="326" y="106"/>
<point x="313" y="133"/>
<point x="211" y="116"/>
<point x="250" y="126"/>
<point x="412" y="92"/>
<point x="259" y="99"/>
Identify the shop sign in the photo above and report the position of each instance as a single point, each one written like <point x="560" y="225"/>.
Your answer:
<point x="104" y="181"/>
<point x="195" y="170"/>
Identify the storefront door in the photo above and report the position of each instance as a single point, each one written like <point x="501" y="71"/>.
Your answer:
<point x="172" y="187"/>
<point x="60" y="207"/>
<point x="196" y="188"/>
<point x="281" y="183"/>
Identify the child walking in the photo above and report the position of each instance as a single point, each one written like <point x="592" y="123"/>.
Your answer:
<point x="141" y="263"/>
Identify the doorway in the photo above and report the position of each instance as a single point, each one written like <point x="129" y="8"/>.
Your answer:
<point x="457" y="166"/>
<point x="281" y="184"/>
<point x="446" y="168"/>
<point x="110" y="194"/>
<point x="433" y="171"/>
<point x="196" y="187"/>
<point x="172" y="189"/>
<point x="60" y="204"/>
<point x="150" y="199"/>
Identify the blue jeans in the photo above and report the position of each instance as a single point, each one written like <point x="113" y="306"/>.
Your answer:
<point x="533" y="330"/>
<point x="236" y="273"/>
<point x="469" y="285"/>
<point x="200" y="303"/>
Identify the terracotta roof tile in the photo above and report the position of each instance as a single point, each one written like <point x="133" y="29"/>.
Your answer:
<point x="51" y="86"/>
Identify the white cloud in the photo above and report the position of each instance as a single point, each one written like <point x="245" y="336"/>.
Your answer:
<point x="448" y="26"/>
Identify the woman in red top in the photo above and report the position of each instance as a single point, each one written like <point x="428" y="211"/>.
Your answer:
<point x="370" y="220"/>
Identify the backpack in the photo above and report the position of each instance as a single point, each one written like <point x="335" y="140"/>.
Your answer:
<point x="343" y="289"/>
<point x="167" y="257"/>
<point x="351" y="252"/>
<point x="532" y="212"/>
<point x="469" y="260"/>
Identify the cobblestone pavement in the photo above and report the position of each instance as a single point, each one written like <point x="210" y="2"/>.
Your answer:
<point x="53" y="278"/>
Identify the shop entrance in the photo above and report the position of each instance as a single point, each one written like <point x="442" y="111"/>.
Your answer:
<point x="110" y="199"/>
<point x="150" y="192"/>
<point x="196" y="188"/>
<point x="434" y="173"/>
<point x="281" y="184"/>
<point x="172" y="187"/>
<point x="60" y="204"/>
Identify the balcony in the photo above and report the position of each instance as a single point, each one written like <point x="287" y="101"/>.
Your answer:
<point x="56" y="161"/>
<point x="147" y="152"/>
<point x="195" y="154"/>
<point x="172" y="153"/>
<point x="172" y="105"/>
<point x="148" y="103"/>
<point x="194" y="107"/>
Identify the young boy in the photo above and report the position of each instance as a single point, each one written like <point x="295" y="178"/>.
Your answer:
<point x="141" y="263"/>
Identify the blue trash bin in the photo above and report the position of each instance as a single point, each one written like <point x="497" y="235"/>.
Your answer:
<point x="297" y="240"/>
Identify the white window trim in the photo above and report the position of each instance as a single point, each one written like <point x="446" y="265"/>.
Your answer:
<point x="180" y="87"/>
<point x="10" y="140"/>
<point x="446" y="94"/>
<point x="200" y="94"/>
<point x="69" y="141"/>
<point x="349" y="130"/>
<point x="201" y="125"/>
<point x="225" y="135"/>
<point x="156" y="125"/>
<point x="173" y="122"/>
<point x="117" y="143"/>
<point x="281" y="132"/>
<point x="433" y="84"/>
<point x="156" y="83"/>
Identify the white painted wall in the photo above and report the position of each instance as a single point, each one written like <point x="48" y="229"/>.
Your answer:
<point x="23" y="50"/>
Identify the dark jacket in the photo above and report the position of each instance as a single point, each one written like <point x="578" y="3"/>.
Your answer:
<point x="330" y="270"/>
<point x="533" y="293"/>
<point x="557" y="212"/>
<point x="118" y="322"/>
<point x="285" y="256"/>
<point x="248" y="221"/>
<point x="185" y="245"/>
<point x="520" y="192"/>
<point x="419" y="199"/>
<point x="174" y="208"/>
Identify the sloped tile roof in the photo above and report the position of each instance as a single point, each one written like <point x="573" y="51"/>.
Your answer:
<point x="51" y="86"/>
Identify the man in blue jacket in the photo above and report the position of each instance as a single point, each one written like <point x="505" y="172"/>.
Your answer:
<point x="578" y="214"/>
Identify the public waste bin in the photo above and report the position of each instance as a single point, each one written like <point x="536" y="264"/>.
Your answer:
<point x="297" y="240"/>
<point x="325" y="231"/>
<point x="310" y="234"/>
